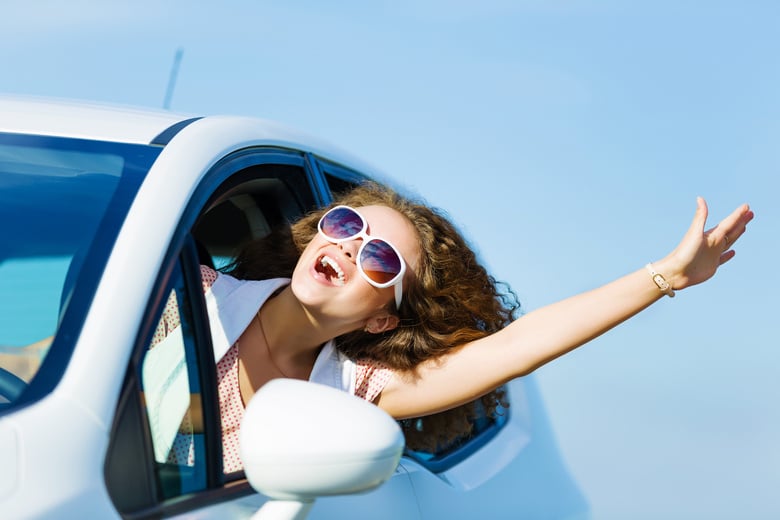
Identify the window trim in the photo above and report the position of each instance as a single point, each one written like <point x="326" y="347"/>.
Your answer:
<point x="206" y="194"/>
<point x="207" y="369"/>
<point x="328" y="169"/>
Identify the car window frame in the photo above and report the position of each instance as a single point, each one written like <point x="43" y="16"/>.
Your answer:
<point x="337" y="178"/>
<point x="211" y="188"/>
<point x="183" y="248"/>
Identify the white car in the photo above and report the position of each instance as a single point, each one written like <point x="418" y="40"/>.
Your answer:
<point x="105" y="212"/>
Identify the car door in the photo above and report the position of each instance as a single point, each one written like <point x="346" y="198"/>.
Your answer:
<point x="165" y="454"/>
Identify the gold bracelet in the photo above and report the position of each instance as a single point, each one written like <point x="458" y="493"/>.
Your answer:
<point x="660" y="281"/>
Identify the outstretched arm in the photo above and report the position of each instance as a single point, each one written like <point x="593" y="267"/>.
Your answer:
<point x="547" y="333"/>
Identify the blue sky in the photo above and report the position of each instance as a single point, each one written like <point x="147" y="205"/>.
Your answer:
<point x="567" y="139"/>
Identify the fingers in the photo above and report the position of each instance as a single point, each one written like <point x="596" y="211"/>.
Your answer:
<point x="726" y="256"/>
<point x="700" y="253"/>
<point x="734" y="226"/>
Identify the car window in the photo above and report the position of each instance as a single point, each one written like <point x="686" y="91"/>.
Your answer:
<point x="166" y="443"/>
<point x="61" y="204"/>
<point x="338" y="178"/>
<point x="159" y="445"/>
<point x="246" y="212"/>
<point x="249" y="206"/>
<point x="171" y="394"/>
<point x="485" y="417"/>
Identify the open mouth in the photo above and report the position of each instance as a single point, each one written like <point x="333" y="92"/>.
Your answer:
<point x="331" y="270"/>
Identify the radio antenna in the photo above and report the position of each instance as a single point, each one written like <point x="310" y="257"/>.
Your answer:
<point x="172" y="78"/>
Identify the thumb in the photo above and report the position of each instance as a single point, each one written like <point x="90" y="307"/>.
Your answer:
<point x="699" y="218"/>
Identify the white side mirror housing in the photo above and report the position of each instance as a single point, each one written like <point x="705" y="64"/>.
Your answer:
<point x="301" y="440"/>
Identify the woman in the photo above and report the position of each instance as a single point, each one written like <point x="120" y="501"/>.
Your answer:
<point x="411" y="321"/>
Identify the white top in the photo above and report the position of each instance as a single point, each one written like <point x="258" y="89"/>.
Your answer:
<point x="232" y="305"/>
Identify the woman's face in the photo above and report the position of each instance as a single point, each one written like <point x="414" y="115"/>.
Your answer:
<point x="350" y="300"/>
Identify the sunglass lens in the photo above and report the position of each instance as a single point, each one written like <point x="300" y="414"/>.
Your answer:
<point x="340" y="223"/>
<point x="379" y="261"/>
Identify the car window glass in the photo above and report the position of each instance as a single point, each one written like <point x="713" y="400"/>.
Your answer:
<point x="171" y="394"/>
<point x="51" y="201"/>
<point x="338" y="178"/>
<point x="58" y="198"/>
<point x="485" y="424"/>
<point x="29" y="306"/>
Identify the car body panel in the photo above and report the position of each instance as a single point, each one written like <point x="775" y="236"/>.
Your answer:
<point x="510" y="473"/>
<point x="85" y="120"/>
<point x="54" y="449"/>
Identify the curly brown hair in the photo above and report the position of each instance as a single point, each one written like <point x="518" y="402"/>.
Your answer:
<point x="450" y="300"/>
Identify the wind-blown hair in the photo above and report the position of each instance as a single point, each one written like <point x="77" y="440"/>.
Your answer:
<point x="450" y="300"/>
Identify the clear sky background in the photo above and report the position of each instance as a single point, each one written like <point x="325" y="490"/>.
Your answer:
<point x="568" y="139"/>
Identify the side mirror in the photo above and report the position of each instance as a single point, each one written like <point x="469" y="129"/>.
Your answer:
<point x="301" y="440"/>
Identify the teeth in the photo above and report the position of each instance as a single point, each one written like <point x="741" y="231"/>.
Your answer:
<point x="329" y="262"/>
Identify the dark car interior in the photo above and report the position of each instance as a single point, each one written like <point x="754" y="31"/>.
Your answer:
<point x="250" y="209"/>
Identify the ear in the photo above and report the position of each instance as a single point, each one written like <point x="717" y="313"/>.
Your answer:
<point x="381" y="323"/>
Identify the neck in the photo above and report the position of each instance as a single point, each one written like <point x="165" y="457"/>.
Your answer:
<point x="293" y="335"/>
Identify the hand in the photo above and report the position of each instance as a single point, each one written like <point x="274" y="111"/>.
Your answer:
<point x="700" y="253"/>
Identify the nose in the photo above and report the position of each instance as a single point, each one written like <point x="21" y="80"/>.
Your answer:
<point x="351" y="247"/>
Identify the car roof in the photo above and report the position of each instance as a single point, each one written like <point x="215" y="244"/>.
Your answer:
<point x="84" y="119"/>
<point x="141" y="125"/>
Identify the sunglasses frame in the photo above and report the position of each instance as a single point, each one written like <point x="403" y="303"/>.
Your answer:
<point x="396" y="281"/>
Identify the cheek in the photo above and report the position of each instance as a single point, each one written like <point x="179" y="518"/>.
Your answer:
<point x="374" y="299"/>
<point x="307" y="255"/>
<point x="305" y="261"/>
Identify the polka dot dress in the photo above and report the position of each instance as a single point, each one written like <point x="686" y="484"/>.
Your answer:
<point x="231" y="406"/>
<point x="371" y="377"/>
<point x="231" y="409"/>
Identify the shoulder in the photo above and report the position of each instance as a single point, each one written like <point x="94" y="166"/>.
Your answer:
<point x="371" y="377"/>
<point x="208" y="276"/>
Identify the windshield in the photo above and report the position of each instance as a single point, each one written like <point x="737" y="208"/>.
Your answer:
<point x="61" y="204"/>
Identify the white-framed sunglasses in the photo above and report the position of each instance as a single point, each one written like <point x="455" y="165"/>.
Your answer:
<point x="378" y="261"/>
